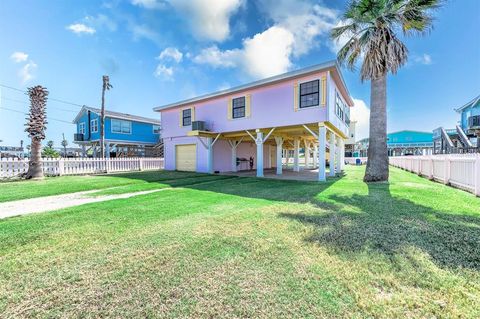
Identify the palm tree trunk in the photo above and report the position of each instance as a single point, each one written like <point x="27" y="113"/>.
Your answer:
<point x="377" y="163"/>
<point x="35" y="169"/>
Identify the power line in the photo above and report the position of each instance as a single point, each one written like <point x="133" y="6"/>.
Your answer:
<point x="50" y="98"/>
<point x="26" y="103"/>
<point x="24" y="113"/>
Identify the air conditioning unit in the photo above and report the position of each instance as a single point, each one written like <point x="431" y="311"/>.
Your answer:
<point x="78" y="137"/>
<point x="198" y="126"/>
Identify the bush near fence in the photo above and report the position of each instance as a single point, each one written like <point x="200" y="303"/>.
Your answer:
<point x="458" y="170"/>
<point x="14" y="167"/>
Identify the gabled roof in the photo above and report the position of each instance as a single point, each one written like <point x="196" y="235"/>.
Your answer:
<point x="471" y="103"/>
<point x="331" y="65"/>
<point x="117" y="115"/>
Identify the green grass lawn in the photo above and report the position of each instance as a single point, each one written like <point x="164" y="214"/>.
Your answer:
<point x="216" y="246"/>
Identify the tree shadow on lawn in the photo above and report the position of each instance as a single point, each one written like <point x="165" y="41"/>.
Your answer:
<point x="377" y="221"/>
<point x="386" y="224"/>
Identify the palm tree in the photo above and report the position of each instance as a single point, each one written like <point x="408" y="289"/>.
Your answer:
<point x="371" y="27"/>
<point x="36" y="125"/>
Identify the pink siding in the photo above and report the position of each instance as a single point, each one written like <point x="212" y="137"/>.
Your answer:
<point x="270" y="106"/>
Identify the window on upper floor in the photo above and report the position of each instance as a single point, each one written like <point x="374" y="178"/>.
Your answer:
<point x="186" y="117"/>
<point x="309" y="93"/>
<point x="94" y="126"/>
<point x="339" y="107"/>
<point x="81" y="128"/>
<point x="238" y="107"/>
<point x="121" y="126"/>
<point x="156" y="129"/>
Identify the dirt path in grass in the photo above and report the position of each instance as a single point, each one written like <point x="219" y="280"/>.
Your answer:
<point x="49" y="203"/>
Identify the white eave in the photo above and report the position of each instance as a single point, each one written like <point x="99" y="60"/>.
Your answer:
<point x="472" y="102"/>
<point x="277" y="78"/>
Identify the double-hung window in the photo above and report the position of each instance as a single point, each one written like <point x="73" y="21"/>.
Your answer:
<point x="121" y="126"/>
<point x="238" y="107"/>
<point x="186" y="117"/>
<point x="94" y="126"/>
<point x="156" y="129"/>
<point x="81" y="128"/>
<point x="309" y="93"/>
<point x="339" y="106"/>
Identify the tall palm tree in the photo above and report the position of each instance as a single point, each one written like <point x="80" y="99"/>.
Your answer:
<point x="36" y="125"/>
<point x="371" y="27"/>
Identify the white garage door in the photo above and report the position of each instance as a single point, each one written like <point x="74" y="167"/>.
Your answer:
<point x="186" y="157"/>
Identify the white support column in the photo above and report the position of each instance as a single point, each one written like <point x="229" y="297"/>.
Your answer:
<point x="296" y="151"/>
<point x="259" y="142"/>
<point x="338" y="164"/>
<point x="315" y="155"/>
<point x="287" y="157"/>
<point x="332" y="154"/>
<point x="322" y="146"/>
<point x="342" y="154"/>
<point x="279" y="141"/>
<point x="107" y="150"/>
<point x="234" y="144"/>
<point x="95" y="151"/>
<point x="84" y="151"/>
<point x="307" y="153"/>
<point x="209" y="155"/>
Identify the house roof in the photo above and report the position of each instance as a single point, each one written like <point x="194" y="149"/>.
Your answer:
<point x="117" y="115"/>
<point x="330" y="65"/>
<point x="471" y="103"/>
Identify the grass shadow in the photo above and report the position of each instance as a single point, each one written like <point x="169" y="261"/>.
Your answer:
<point x="387" y="224"/>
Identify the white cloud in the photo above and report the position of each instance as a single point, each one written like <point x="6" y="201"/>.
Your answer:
<point x="297" y="26"/>
<point x="149" y="4"/>
<point x="171" y="54"/>
<point x="361" y="114"/>
<point x="163" y="72"/>
<point x="26" y="73"/>
<point x="208" y="19"/>
<point x="142" y="31"/>
<point x="424" y="59"/>
<point x="268" y="53"/>
<point x="100" y="21"/>
<point x="213" y="56"/>
<point x="79" y="28"/>
<point x="264" y="55"/>
<point x="18" y="57"/>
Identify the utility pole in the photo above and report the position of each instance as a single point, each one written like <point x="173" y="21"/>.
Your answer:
<point x="106" y="86"/>
<point x="64" y="144"/>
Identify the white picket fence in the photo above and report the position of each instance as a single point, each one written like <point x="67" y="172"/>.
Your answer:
<point x="12" y="167"/>
<point x="458" y="170"/>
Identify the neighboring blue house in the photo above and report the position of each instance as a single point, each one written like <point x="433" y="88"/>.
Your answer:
<point x="125" y="134"/>
<point x="470" y="117"/>
<point x="403" y="143"/>
<point x="465" y="137"/>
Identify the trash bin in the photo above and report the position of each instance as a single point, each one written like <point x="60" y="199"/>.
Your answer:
<point x="358" y="161"/>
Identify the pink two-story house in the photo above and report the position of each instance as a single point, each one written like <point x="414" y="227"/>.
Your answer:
<point x="307" y="108"/>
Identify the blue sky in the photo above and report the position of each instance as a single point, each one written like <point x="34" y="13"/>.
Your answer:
<point x="160" y="51"/>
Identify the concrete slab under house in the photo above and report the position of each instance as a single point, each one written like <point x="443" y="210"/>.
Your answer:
<point x="296" y="121"/>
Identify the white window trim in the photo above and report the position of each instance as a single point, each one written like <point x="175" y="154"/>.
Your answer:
<point x="96" y="126"/>
<point x="319" y="94"/>
<point x="159" y="128"/>
<point x="81" y="128"/>
<point x="113" y="132"/>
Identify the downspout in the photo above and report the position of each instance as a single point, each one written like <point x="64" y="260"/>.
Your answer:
<point x="88" y="124"/>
